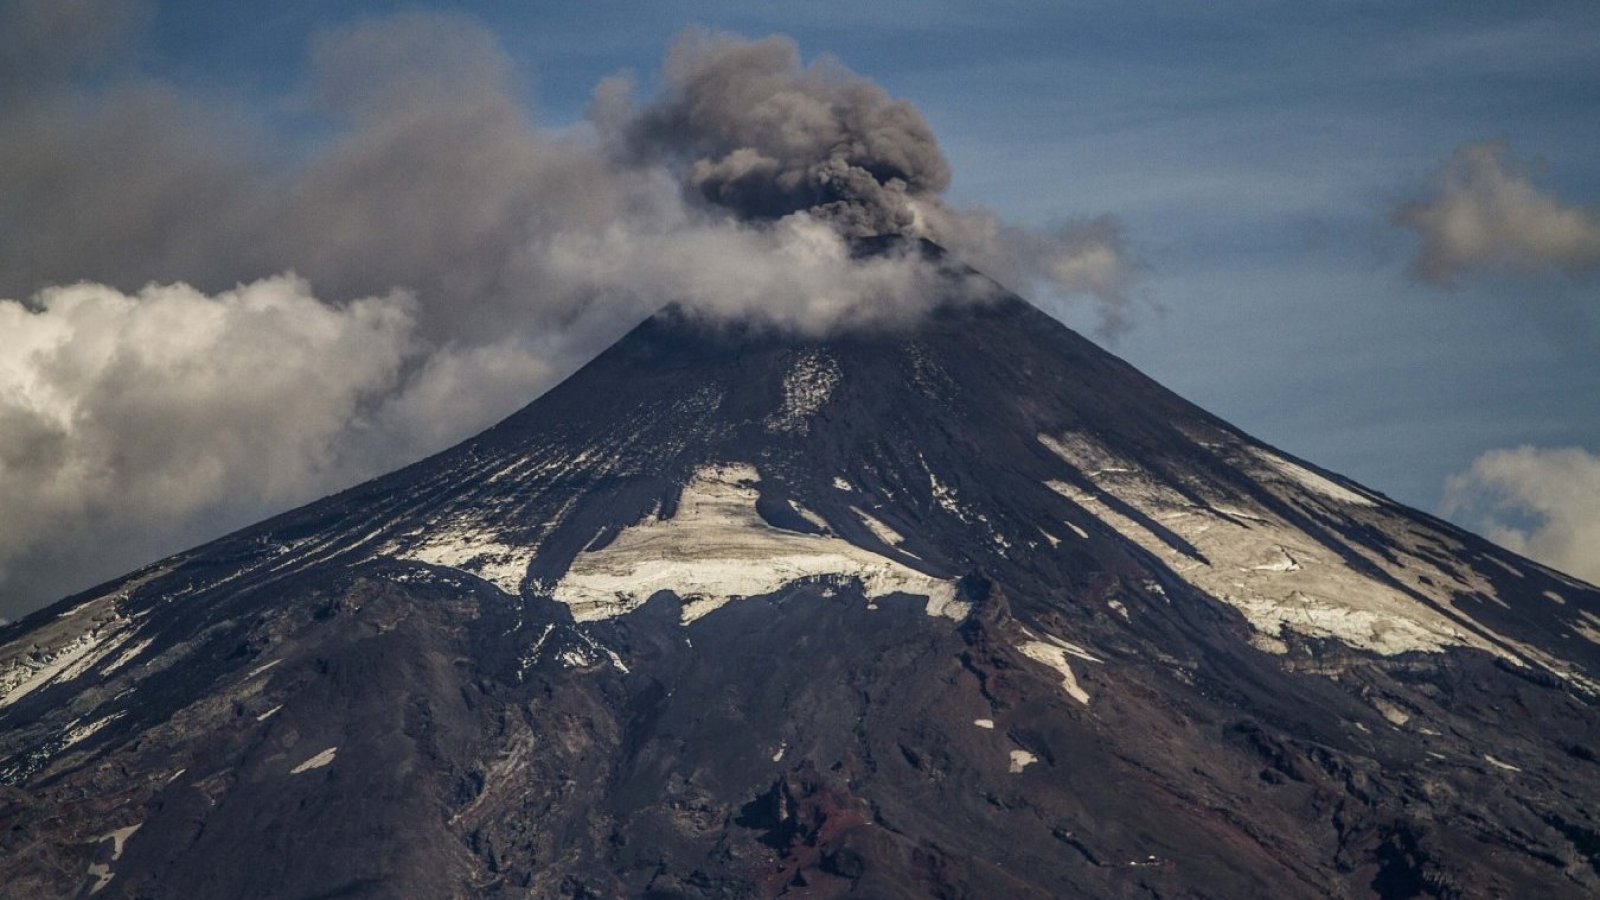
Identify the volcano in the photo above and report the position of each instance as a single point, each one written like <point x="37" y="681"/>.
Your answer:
<point x="962" y="607"/>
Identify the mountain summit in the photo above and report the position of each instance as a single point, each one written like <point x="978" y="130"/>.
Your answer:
<point x="962" y="607"/>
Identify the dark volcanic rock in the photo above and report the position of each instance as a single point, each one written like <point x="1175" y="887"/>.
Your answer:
<point x="968" y="609"/>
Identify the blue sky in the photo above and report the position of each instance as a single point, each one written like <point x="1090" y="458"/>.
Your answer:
<point x="1256" y="155"/>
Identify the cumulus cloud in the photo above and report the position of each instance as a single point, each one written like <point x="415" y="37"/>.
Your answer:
<point x="125" y="417"/>
<point x="1542" y="503"/>
<point x="1483" y="212"/>
<point x="452" y="258"/>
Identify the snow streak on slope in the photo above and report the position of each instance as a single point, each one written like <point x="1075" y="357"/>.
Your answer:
<point x="717" y="548"/>
<point x="1310" y="480"/>
<point x="475" y="550"/>
<point x="1281" y="577"/>
<point x="1053" y="652"/>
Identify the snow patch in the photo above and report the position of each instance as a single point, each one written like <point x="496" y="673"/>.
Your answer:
<point x="120" y="837"/>
<point x="101" y="872"/>
<point x="472" y="549"/>
<point x="717" y="548"/>
<point x="32" y="672"/>
<point x="1053" y="652"/>
<point x="127" y="656"/>
<point x="809" y="516"/>
<point x="1396" y="716"/>
<point x="532" y="656"/>
<point x="269" y="713"/>
<point x="316" y="762"/>
<point x="806" y="389"/>
<point x="777" y="755"/>
<point x="879" y="530"/>
<point x="1588" y="626"/>
<point x="1267" y="568"/>
<point x="944" y="495"/>
<point x="842" y="485"/>
<point x="1021" y="759"/>
<point x="984" y="723"/>
<point x="77" y="733"/>
<point x="1310" y="480"/>
<point x="1507" y="567"/>
<point x="1500" y="764"/>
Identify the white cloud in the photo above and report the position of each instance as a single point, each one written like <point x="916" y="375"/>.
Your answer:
<point x="1084" y="261"/>
<point x="1483" y="212"/>
<point x="132" y="424"/>
<point x="1542" y="503"/>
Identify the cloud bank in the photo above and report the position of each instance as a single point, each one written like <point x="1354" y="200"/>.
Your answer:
<point x="213" y="315"/>
<point x="1542" y="503"/>
<point x="1484" y="213"/>
<point x="117" y="410"/>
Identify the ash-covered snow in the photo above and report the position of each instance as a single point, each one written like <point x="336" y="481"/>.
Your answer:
<point x="475" y="549"/>
<point x="879" y="530"/>
<point x="1310" y="480"/>
<point x="318" y="761"/>
<point x="808" y="515"/>
<point x="806" y="389"/>
<point x="717" y="548"/>
<point x="1271" y="570"/>
<point x="63" y="649"/>
<point x="127" y="656"/>
<point x="1053" y="652"/>
<point x="1588" y="626"/>
<point x="77" y="733"/>
<point x="1500" y="764"/>
<point x="101" y="872"/>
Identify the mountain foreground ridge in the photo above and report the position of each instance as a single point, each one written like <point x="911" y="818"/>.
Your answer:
<point x="964" y="607"/>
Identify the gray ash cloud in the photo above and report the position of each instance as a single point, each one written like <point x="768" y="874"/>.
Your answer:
<point x="753" y="129"/>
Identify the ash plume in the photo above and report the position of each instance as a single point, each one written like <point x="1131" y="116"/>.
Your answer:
<point x="752" y="129"/>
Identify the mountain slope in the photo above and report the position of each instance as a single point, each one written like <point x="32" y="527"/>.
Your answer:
<point x="963" y="608"/>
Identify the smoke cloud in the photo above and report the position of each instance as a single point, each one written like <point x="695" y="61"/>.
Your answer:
<point x="1542" y="503"/>
<point x="747" y="127"/>
<point x="1484" y="213"/>
<point x="751" y="129"/>
<point x="213" y="317"/>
